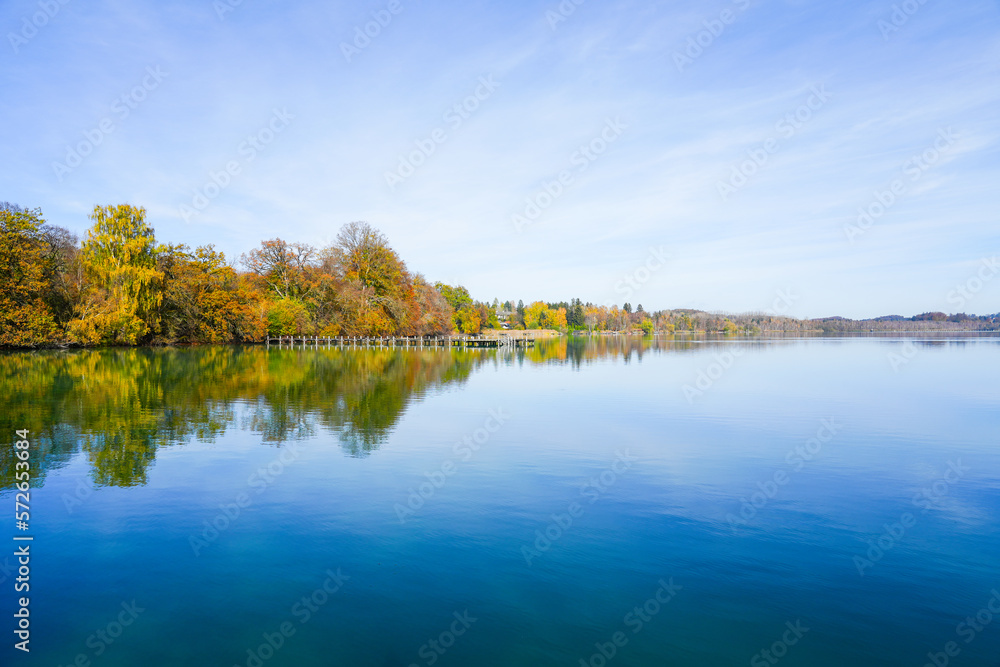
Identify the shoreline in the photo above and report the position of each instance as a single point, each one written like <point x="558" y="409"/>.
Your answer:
<point x="363" y="340"/>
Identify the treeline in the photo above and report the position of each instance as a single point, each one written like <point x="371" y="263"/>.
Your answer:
<point x="119" y="286"/>
<point x="924" y="322"/>
<point x="575" y="315"/>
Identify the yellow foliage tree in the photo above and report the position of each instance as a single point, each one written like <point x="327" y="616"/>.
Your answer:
<point x="554" y="319"/>
<point x="287" y="317"/>
<point x="25" y="318"/>
<point x="124" y="288"/>
<point x="539" y="316"/>
<point x="533" y="315"/>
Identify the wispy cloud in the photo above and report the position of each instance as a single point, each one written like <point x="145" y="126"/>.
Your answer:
<point x="451" y="219"/>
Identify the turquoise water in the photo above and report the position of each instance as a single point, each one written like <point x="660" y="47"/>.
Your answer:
<point x="828" y="501"/>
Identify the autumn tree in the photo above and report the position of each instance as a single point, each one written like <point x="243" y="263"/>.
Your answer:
<point x="287" y="316"/>
<point x="63" y="270"/>
<point x="533" y="315"/>
<point x="539" y="315"/>
<point x="291" y="274"/>
<point x="25" y="317"/>
<point x="458" y="296"/>
<point x="376" y="290"/>
<point x="205" y="300"/>
<point x="555" y="318"/>
<point x="362" y="253"/>
<point x="285" y="268"/>
<point x="434" y="311"/>
<point x="124" y="286"/>
<point x="487" y="315"/>
<point x="466" y="316"/>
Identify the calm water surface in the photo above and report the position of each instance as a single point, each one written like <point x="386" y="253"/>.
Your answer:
<point x="626" y="502"/>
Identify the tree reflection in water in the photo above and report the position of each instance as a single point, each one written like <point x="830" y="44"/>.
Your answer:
<point x="120" y="405"/>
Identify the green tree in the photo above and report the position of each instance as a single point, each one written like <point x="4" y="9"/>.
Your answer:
<point x="574" y="314"/>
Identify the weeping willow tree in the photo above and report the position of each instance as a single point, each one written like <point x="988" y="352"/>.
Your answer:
<point x="124" y="286"/>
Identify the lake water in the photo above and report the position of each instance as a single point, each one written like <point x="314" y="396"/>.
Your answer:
<point x="823" y="501"/>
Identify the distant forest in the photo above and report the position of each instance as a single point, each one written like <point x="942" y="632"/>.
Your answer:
<point x="120" y="286"/>
<point x="590" y="318"/>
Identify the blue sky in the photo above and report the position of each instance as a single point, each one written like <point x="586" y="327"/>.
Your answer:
<point x="737" y="139"/>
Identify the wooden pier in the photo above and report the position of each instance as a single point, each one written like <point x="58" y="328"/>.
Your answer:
<point x="462" y="341"/>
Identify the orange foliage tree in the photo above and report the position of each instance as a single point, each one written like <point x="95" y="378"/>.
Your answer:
<point x="205" y="300"/>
